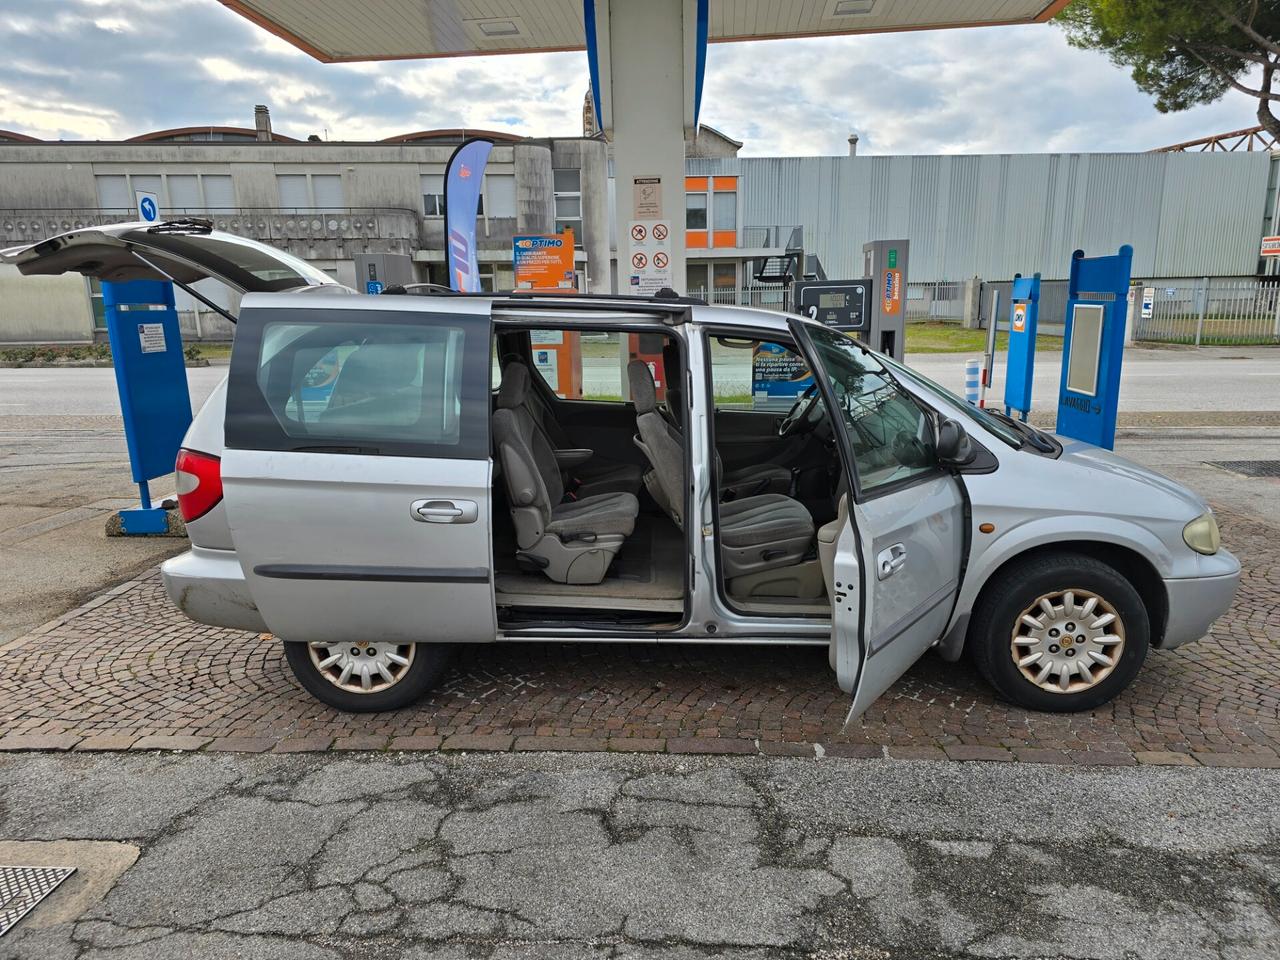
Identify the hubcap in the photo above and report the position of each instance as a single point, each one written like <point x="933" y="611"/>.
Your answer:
<point x="1067" y="641"/>
<point x="363" y="667"/>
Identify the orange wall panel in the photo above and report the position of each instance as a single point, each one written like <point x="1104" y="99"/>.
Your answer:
<point x="695" y="183"/>
<point x="724" y="238"/>
<point x="724" y="183"/>
<point x="695" y="238"/>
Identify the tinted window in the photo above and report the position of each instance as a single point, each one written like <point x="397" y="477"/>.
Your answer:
<point x="890" y="435"/>
<point x="398" y="385"/>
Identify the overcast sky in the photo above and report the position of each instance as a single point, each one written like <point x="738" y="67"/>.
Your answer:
<point x="110" y="69"/>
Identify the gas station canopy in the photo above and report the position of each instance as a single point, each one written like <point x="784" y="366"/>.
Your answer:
<point x="339" y="30"/>
<point x="646" y="59"/>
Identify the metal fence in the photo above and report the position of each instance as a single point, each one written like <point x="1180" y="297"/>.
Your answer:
<point x="1210" y="311"/>
<point x="941" y="300"/>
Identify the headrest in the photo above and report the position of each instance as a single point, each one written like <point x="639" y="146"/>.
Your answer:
<point x="643" y="393"/>
<point x="515" y="385"/>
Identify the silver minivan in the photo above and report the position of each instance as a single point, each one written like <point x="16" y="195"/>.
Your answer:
<point x="382" y="478"/>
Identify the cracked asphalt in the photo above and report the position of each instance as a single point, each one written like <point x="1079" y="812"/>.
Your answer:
<point x="595" y="856"/>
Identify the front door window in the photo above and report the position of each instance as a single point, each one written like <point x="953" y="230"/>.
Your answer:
<point x="890" y="435"/>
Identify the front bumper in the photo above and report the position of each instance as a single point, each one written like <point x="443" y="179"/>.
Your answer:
<point x="209" y="587"/>
<point x="1196" y="602"/>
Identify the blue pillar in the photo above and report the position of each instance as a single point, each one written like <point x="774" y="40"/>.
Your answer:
<point x="151" y="379"/>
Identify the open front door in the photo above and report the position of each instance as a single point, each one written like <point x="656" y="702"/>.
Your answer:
<point x="357" y="470"/>
<point x="898" y="554"/>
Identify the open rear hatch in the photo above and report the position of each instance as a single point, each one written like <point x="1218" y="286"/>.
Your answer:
<point x="184" y="251"/>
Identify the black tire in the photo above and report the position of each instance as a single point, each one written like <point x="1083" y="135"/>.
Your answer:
<point x="428" y="667"/>
<point x="1004" y="600"/>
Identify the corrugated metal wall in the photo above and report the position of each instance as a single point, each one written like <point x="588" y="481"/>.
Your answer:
<point x="1186" y="214"/>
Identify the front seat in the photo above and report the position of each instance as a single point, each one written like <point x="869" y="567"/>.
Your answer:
<point x="756" y="533"/>
<point x="745" y="481"/>
<point x="571" y="542"/>
<point x="592" y="475"/>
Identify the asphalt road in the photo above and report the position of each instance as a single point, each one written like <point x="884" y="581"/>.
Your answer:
<point x="602" y="855"/>
<point x="1211" y="379"/>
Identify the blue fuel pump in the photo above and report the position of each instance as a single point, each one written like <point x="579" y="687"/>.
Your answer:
<point x="1024" y="315"/>
<point x="1097" y="310"/>
<point x="151" y="377"/>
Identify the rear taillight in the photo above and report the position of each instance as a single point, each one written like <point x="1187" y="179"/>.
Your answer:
<point x="199" y="483"/>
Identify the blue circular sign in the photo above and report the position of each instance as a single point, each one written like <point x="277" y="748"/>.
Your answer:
<point x="147" y="207"/>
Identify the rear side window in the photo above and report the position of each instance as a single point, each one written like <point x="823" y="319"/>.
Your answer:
<point x="396" y="385"/>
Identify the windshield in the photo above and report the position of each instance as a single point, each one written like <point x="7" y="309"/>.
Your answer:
<point x="1003" y="431"/>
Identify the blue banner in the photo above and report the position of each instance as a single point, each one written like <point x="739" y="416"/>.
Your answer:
<point x="463" y="179"/>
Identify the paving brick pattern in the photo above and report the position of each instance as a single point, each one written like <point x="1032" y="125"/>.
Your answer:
<point x="128" y="672"/>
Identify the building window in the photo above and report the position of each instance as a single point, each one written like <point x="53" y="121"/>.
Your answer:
<point x="500" y="190"/>
<point x="567" y="186"/>
<point x="695" y="211"/>
<point x="310" y="191"/>
<point x="179" y="193"/>
<point x="432" y="194"/>
<point x="725" y="210"/>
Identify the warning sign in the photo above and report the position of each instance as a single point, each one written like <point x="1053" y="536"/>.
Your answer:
<point x="649" y="256"/>
<point x="646" y="198"/>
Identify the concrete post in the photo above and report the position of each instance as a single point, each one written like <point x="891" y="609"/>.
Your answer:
<point x="972" y="302"/>
<point x="647" y="66"/>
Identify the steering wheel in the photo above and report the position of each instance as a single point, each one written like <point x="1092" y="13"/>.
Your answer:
<point x="801" y="412"/>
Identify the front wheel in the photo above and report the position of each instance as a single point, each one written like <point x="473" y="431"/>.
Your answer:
<point x="368" y="676"/>
<point x="1060" y="633"/>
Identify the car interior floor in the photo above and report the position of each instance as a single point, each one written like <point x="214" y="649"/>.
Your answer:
<point x="647" y="574"/>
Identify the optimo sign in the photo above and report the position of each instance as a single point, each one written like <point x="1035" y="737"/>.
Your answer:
<point x="544" y="262"/>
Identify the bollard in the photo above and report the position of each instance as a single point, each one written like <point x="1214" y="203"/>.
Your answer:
<point x="972" y="374"/>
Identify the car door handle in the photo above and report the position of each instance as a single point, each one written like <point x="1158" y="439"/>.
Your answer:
<point x="890" y="561"/>
<point x="444" y="511"/>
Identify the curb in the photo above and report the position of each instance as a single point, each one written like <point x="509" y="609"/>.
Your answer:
<point x="463" y="743"/>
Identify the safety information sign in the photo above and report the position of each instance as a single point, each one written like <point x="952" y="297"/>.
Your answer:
<point x="1271" y="246"/>
<point x="1148" y="302"/>
<point x="646" y="198"/>
<point x="151" y="337"/>
<point x="649" y="256"/>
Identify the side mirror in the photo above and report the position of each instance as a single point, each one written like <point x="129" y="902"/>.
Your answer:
<point x="954" y="446"/>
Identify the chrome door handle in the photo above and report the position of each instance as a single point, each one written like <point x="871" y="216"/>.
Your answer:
<point x="444" y="511"/>
<point x="890" y="561"/>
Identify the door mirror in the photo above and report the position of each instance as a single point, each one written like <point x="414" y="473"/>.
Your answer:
<point x="954" y="447"/>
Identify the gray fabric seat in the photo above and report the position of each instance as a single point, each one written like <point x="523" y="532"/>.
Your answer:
<point x="748" y="481"/>
<point x="571" y="542"/>
<point x="595" y="477"/>
<point x="756" y="533"/>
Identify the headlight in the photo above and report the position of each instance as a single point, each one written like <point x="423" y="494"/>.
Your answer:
<point x="1201" y="534"/>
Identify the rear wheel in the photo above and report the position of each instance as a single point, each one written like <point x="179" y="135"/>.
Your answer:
<point x="367" y="676"/>
<point x="1060" y="633"/>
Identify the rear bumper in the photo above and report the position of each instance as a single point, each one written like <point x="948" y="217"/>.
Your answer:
<point x="209" y="587"/>
<point x="1196" y="602"/>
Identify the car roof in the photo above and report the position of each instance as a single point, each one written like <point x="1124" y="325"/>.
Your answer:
<point x="603" y="310"/>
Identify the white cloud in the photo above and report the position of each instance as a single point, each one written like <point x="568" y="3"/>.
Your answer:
<point x="84" y="69"/>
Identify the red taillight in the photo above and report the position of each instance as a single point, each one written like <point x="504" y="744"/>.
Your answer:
<point x="199" y="483"/>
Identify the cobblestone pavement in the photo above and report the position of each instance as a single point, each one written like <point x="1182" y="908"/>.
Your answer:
<point x="129" y="672"/>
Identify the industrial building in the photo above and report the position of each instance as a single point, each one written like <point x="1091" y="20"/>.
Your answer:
<point x="1187" y="215"/>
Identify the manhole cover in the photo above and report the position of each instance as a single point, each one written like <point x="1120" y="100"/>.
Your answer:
<point x="1249" y="468"/>
<point x="21" y="888"/>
